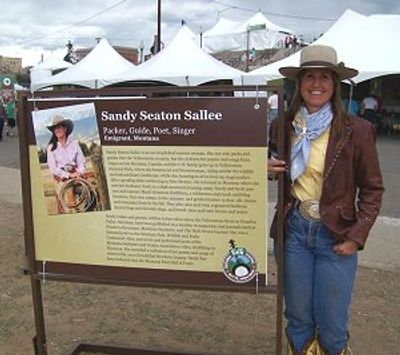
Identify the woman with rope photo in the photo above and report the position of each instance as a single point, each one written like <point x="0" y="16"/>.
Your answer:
<point x="67" y="163"/>
<point x="73" y="175"/>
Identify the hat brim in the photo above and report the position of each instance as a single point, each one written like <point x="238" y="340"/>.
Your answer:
<point x="67" y="122"/>
<point x="292" y="73"/>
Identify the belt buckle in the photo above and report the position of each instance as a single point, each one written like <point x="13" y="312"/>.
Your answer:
<point x="309" y="209"/>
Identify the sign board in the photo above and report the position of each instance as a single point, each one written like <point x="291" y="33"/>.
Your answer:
<point x="261" y="26"/>
<point x="167" y="191"/>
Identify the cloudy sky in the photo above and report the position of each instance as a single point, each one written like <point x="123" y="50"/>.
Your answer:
<point x="30" y="28"/>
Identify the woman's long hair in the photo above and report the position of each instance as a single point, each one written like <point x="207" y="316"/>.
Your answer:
<point x="53" y="140"/>
<point x="339" y="112"/>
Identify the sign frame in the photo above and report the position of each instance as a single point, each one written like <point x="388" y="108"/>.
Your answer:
<point x="40" y="271"/>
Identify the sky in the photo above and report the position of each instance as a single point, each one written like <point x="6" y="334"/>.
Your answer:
<point x="30" y="29"/>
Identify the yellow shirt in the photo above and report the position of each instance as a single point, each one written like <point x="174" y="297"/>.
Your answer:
<point x="308" y="186"/>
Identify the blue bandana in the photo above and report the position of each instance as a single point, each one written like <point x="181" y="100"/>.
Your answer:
<point x="307" y="127"/>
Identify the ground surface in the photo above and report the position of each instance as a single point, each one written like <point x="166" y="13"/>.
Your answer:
<point x="196" y="321"/>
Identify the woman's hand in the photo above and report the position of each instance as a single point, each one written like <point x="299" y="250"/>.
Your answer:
<point x="276" y="166"/>
<point x="348" y="247"/>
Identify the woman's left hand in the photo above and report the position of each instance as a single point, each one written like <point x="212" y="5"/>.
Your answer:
<point x="348" y="247"/>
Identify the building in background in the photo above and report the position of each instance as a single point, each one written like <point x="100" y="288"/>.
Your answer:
<point x="10" y="65"/>
<point x="129" y="53"/>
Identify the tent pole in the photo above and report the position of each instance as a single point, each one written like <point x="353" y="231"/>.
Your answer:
<point x="350" y="95"/>
<point x="247" y="49"/>
<point x="159" y="25"/>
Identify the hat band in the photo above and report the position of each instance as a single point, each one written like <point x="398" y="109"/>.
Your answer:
<point x="317" y="63"/>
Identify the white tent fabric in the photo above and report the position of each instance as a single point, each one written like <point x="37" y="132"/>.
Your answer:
<point x="45" y="68"/>
<point x="260" y="19"/>
<point x="366" y="43"/>
<point x="54" y="62"/>
<point x="222" y="36"/>
<point x="101" y="64"/>
<point x="189" y="32"/>
<point x="230" y="35"/>
<point x="183" y="63"/>
<point x="223" y="27"/>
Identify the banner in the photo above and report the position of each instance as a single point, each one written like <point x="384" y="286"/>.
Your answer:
<point x="156" y="191"/>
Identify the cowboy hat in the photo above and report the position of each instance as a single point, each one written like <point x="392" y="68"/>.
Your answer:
<point x="319" y="56"/>
<point x="58" y="120"/>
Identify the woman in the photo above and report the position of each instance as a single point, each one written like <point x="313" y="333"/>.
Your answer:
<point x="64" y="156"/>
<point x="333" y="195"/>
<point x="10" y="111"/>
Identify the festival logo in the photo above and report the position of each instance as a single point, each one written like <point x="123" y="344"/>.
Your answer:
<point x="239" y="265"/>
<point x="7" y="90"/>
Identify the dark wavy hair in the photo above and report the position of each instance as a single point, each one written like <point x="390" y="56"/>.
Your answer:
<point x="53" y="140"/>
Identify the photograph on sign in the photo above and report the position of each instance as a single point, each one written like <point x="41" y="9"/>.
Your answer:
<point x="70" y="158"/>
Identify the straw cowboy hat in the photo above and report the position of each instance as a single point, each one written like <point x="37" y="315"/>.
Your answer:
<point x="319" y="56"/>
<point x="57" y="120"/>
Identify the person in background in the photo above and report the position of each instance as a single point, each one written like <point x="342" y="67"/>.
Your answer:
<point x="2" y="120"/>
<point x="333" y="194"/>
<point x="252" y="54"/>
<point x="352" y="106"/>
<point x="369" y="107"/>
<point x="10" y="113"/>
<point x="272" y="105"/>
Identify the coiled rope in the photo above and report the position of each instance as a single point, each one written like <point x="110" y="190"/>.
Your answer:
<point x="85" y="195"/>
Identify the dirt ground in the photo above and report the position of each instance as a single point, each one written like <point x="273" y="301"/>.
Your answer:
<point x="175" y="320"/>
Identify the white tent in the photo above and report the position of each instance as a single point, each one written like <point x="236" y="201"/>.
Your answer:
<point x="183" y="63"/>
<point x="260" y="19"/>
<point x="54" y="62"/>
<point x="222" y="27"/>
<point x="366" y="43"/>
<point x="257" y="30"/>
<point x="220" y="36"/>
<point x="101" y="64"/>
<point x="189" y="32"/>
<point x="45" y="68"/>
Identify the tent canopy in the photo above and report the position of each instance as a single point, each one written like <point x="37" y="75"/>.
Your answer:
<point x="54" y="62"/>
<point x="45" y="68"/>
<point x="102" y="63"/>
<point x="222" y="27"/>
<point x="366" y="43"/>
<point x="231" y="35"/>
<point x="182" y="62"/>
<point x="260" y="19"/>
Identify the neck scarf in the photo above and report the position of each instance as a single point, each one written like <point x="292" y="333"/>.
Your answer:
<point x="307" y="127"/>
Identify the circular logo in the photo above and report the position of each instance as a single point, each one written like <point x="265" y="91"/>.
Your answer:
<point x="7" y="81"/>
<point x="239" y="265"/>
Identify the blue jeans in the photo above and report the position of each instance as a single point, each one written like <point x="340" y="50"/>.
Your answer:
<point x="273" y="114"/>
<point x="318" y="284"/>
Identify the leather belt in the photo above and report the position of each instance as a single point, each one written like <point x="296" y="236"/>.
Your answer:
<point x="309" y="209"/>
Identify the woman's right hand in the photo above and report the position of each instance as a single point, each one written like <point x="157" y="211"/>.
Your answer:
<point x="276" y="166"/>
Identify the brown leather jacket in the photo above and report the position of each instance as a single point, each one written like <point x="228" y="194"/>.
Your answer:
<point x="352" y="187"/>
